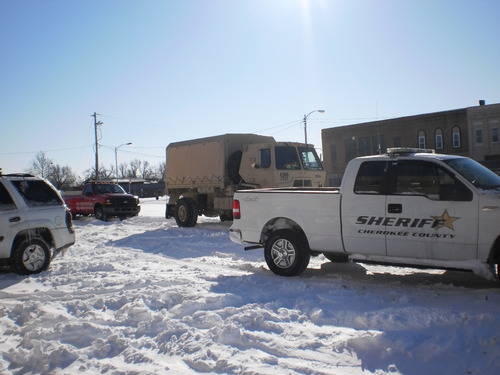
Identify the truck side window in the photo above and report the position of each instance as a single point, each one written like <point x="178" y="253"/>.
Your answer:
<point x="265" y="157"/>
<point x="6" y="202"/>
<point x="413" y="177"/>
<point x="37" y="193"/>
<point x="87" y="190"/>
<point x="371" y="177"/>
<point x="286" y="157"/>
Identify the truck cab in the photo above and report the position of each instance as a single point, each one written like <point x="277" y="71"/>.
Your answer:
<point x="281" y="164"/>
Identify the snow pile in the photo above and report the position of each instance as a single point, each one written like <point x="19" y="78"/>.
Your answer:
<point x="145" y="297"/>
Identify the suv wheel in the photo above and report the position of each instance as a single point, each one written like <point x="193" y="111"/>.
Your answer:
<point x="30" y="256"/>
<point x="287" y="253"/>
<point x="186" y="213"/>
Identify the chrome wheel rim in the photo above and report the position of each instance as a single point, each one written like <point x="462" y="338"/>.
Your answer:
<point x="33" y="257"/>
<point x="283" y="253"/>
<point x="182" y="213"/>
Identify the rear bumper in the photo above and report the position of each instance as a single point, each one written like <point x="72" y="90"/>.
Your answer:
<point x="235" y="236"/>
<point x="122" y="210"/>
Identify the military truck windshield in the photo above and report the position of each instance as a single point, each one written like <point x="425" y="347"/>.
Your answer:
<point x="108" y="189"/>
<point x="286" y="157"/>
<point x="475" y="173"/>
<point x="310" y="159"/>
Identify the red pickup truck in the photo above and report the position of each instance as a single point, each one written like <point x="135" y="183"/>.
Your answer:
<point x="103" y="200"/>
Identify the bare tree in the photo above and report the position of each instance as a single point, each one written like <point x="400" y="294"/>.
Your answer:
<point x="122" y="170"/>
<point x="42" y="165"/>
<point x="104" y="173"/>
<point x="159" y="171"/>
<point x="62" y="177"/>
<point x="146" y="170"/>
<point x="134" y="168"/>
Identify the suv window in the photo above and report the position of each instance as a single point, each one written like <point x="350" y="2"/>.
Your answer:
<point x="371" y="177"/>
<point x="87" y="190"/>
<point x="6" y="202"/>
<point x="413" y="177"/>
<point x="37" y="193"/>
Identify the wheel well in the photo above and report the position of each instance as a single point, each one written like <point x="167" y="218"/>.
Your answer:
<point x="280" y="223"/>
<point x="42" y="233"/>
<point x="495" y="252"/>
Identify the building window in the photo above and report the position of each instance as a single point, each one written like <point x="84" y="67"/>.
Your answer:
<point x="456" y="137"/>
<point x="421" y="139"/>
<point x="494" y="135"/>
<point x="479" y="135"/>
<point x="439" y="139"/>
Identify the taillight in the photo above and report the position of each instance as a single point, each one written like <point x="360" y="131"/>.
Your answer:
<point x="236" y="209"/>
<point x="69" y="222"/>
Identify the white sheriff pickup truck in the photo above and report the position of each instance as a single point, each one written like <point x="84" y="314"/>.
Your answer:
<point x="408" y="207"/>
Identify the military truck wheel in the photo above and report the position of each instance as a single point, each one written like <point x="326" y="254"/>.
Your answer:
<point x="287" y="253"/>
<point x="226" y="216"/>
<point x="186" y="213"/>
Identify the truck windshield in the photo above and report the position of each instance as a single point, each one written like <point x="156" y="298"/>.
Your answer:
<point x="310" y="159"/>
<point x="286" y="157"/>
<point x="108" y="189"/>
<point x="475" y="173"/>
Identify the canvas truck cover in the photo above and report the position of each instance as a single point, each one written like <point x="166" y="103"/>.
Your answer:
<point x="203" y="162"/>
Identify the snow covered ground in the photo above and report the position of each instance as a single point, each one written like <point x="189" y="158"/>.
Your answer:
<point x="145" y="297"/>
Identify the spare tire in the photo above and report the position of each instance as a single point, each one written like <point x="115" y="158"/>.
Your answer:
<point x="233" y="167"/>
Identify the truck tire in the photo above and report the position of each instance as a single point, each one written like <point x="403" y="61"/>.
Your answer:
<point x="99" y="213"/>
<point x="287" y="253"/>
<point x="233" y="167"/>
<point x="30" y="255"/>
<point x="186" y="213"/>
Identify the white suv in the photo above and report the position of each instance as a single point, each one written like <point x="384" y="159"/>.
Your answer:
<point x="35" y="224"/>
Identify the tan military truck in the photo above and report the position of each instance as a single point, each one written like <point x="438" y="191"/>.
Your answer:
<point x="203" y="174"/>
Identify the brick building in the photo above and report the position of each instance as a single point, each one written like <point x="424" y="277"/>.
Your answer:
<point x="472" y="132"/>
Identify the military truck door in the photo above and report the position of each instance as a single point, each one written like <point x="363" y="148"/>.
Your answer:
<point x="433" y="214"/>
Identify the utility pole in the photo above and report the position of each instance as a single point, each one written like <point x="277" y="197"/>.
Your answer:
<point x="96" y="124"/>
<point x="305" y="122"/>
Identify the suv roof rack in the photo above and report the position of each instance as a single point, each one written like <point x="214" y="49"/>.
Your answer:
<point x="18" y="175"/>
<point x="409" y="150"/>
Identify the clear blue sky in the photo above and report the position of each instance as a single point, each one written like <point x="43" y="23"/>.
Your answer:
<point x="164" y="71"/>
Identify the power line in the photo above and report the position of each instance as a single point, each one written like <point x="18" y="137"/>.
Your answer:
<point x="49" y="150"/>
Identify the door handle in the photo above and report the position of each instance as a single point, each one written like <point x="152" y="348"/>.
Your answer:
<point x="395" y="208"/>
<point x="14" y="219"/>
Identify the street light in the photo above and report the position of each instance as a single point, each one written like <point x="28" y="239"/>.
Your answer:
<point x="116" y="158"/>
<point x="305" y="122"/>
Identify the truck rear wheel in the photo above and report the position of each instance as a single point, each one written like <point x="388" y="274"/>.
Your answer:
<point x="186" y="213"/>
<point x="287" y="253"/>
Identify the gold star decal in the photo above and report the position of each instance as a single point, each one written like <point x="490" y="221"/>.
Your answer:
<point x="445" y="220"/>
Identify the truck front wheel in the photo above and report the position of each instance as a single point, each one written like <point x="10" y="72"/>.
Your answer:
<point x="99" y="213"/>
<point x="186" y="213"/>
<point x="287" y="253"/>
